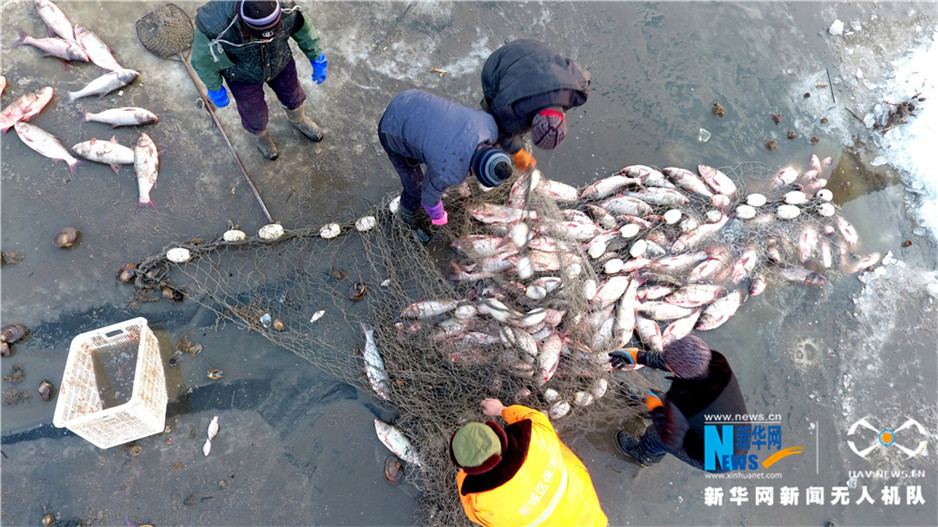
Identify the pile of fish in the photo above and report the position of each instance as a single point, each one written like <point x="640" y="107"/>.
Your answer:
<point x="79" y="44"/>
<point x="638" y="259"/>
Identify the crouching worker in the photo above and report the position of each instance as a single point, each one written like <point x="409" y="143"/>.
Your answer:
<point x="703" y="385"/>
<point x="450" y="139"/>
<point x="528" y="87"/>
<point x="521" y="474"/>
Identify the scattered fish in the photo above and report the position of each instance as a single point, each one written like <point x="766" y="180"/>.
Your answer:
<point x="25" y="108"/>
<point x="374" y="366"/>
<point x="105" y="84"/>
<point x="107" y="152"/>
<point x="115" y="117"/>
<point x="317" y="315"/>
<point x="54" y="47"/>
<point x="213" y="428"/>
<point x="46" y="144"/>
<point x="146" y="169"/>
<point x="54" y="19"/>
<point x="96" y="50"/>
<point x="396" y="442"/>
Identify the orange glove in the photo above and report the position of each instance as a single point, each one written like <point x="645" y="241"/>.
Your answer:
<point x="652" y="401"/>
<point x="524" y="160"/>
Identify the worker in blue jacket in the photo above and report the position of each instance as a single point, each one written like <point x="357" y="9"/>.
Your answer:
<point x="450" y="139"/>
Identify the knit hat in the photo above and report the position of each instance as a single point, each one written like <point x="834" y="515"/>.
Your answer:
<point x="491" y="166"/>
<point x="688" y="357"/>
<point x="548" y="129"/>
<point x="477" y="447"/>
<point x="261" y="17"/>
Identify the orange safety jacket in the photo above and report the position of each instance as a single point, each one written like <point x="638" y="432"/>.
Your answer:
<point x="552" y="487"/>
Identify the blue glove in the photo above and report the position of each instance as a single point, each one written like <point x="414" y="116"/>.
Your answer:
<point x="319" y="68"/>
<point x="219" y="98"/>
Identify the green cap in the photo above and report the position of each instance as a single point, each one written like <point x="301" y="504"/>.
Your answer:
<point x="474" y="443"/>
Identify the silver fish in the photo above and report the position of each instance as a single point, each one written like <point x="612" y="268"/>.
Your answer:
<point x="610" y="291"/>
<point x="680" y="328"/>
<point x="720" y="310"/>
<point x="692" y="239"/>
<point x="105" y="84"/>
<point x="649" y="333"/>
<point x="25" y="108"/>
<point x="557" y="191"/>
<point x="429" y="308"/>
<point x="660" y="196"/>
<point x="663" y="310"/>
<point x="601" y="216"/>
<point x="742" y="267"/>
<point x="55" y="19"/>
<point x="571" y="230"/>
<point x="107" y="152"/>
<point x="374" y="366"/>
<point x="694" y="295"/>
<point x="46" y="144"/>
<point x="396" y="442"/>
<point x="115" y="117"/>
<point x="785" y="176"/>
<point x="492" y="213"/>
<point x="549" y="357"/>
<point x="625" y="315"/>
<point x="807" y="241"/>
<point x="54" y="47"/>
<point x="97" y="51"/>
<point x="718" y="181"/>
<point x="607" y="186"/>
<point x="687" y="180"/>
<point x="626" y="205"/>
<point x="678" y="262"/>
<point x="851" y="267"/>
<point x="649" y="176"/>
<point x="846" y="230"/>
<point x="213" y="428"/>
<point x="146" y="169"/>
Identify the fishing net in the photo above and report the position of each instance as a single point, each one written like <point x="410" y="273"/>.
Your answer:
<point x="315" y="296"/>
<point x="166" y="30"/>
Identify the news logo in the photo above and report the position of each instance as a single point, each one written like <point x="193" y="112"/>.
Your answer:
<point x="887" y="437"/>
<point x="744" y="442"/>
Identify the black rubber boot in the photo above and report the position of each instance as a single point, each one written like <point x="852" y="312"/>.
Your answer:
<point x="409" y="217"/>
<point x="632" y="447"/>
<point x="266" y="145"/>
<point x="304" y="124"/>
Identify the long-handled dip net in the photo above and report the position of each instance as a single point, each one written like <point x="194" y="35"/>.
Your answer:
<point x="521" y="296"/>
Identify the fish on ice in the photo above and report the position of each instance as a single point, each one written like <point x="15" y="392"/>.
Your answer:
<point x="105" y="84"/>
<point x="107" y="152"/>
<point x="374" y="365"/>
<point x="46" y="144"/>
<point x="96" y="50"/>
<point x="146" y="169"/>
<point x="396" y="442"/>
<point x="127" y="116"/>
<point x="54" y="47"/>
<point x="25" y="108"/>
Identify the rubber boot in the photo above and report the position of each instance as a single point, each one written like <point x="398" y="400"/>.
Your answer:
<point x="409" y="217"/>
<point x="632" y="447"/>
<point x="304" y="124"/>
<point x="266" y="145"/>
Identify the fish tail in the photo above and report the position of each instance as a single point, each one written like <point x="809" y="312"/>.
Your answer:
<point x="142" y="204"/>
<point x="116" y="168"/>
<point x="22" y="40"/>
<point x="71" y="96"/>
<point x="365" y="327"/>
<point x="73" y="167"/>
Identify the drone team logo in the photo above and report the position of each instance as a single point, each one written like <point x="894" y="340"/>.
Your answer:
<point x="887" y="437"/>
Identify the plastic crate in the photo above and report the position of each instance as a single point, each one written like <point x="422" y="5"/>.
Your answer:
<point x="99" y="400"/>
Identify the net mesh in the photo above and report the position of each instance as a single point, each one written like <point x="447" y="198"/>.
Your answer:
<point x="312" y="295"/>
<point x="166" y="30"/>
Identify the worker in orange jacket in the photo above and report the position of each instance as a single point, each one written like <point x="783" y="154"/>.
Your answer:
<point x="521" y="474"/>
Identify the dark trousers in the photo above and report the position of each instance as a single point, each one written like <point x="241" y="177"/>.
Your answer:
<point x="652" y="447"/>
<point x="408" y="168"/>
<point x="250" y="98"/>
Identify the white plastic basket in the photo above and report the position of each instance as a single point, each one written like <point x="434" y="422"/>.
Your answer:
<point x="92" y="400"/>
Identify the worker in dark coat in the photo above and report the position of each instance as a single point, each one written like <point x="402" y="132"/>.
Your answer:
<point x="703" y="385"/>
<point x="247" y="43"/>
<point x="527" y="87"/>
<point x="450" y="139"/>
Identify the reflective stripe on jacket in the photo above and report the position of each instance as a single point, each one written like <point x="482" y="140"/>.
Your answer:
<point x="552" y="487"/>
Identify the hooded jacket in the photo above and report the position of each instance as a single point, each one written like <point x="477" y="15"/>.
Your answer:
<point x="541" y="483"/>
<point x="524" y="77"/>
<point x="680" y="422"/>
<point x="440" y="133"/>
<point x="221" y="49"/>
